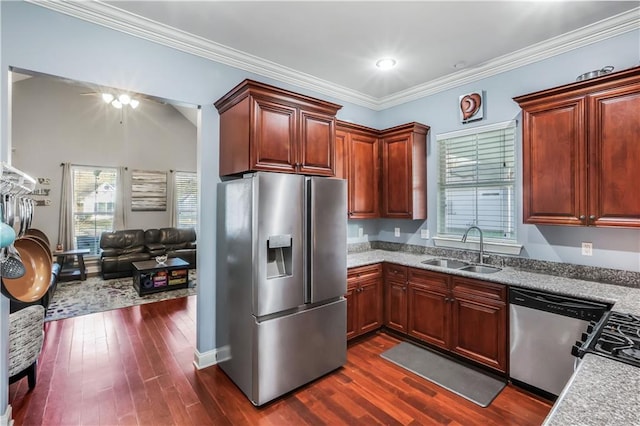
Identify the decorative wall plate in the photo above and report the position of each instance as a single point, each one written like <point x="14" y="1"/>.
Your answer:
<point x="471" y="107"/>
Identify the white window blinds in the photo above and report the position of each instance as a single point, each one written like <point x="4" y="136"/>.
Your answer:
<point x="476" y="181"/>
<point x="186" y="195"/>
<point x="94" y="203"/>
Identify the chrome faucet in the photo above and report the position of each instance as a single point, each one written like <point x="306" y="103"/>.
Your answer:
<point x="464" y="239"/>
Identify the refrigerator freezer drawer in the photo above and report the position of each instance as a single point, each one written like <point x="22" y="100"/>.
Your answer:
<point x="298" y="348"/>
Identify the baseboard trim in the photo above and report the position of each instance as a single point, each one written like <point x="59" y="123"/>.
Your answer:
<point x="5" y="419"/>
<point x="207" y="359"/>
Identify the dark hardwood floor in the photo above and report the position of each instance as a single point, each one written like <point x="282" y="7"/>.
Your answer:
<point x="134" y="366"/>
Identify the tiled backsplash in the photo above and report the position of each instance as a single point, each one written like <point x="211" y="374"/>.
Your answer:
<point x="567" y="270"/>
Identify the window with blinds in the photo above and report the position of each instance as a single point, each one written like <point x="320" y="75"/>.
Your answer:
<point x="186" y="196"/>
<point x="477" y="181"/>
<point x="94" y="203"/>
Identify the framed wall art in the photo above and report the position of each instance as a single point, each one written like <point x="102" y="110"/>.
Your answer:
<point x="471" y="106"/>
<point x="148" y="191"/>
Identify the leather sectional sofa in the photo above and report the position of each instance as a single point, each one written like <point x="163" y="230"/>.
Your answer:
<point x="121" y="248"/>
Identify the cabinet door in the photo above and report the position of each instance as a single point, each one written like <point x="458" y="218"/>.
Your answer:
<point x="369" y="304"/>
<point x="351" y="308"/>
<point x="342" y="155"/>
<point x="395" y="305"/>
<point x="363" y="176"/>
<point x="317" y="144"/>
<point x="554" y="167"/>
<point x="274" y="137"/>
<point x="429" y="308"/>
<point x="479" y="331"/>
<point x="429" y="314"/>
<point x="614" y="155"/>
<point x="479" y="321"/>
<point x="397" y="188"/>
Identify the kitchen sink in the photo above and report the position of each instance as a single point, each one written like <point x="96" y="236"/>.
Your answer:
<point x="480" y="269"/>
<point x="446" y="263"/>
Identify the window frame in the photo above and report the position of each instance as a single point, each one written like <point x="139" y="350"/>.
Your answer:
<point x="177" y="209"/>
<point x="452" y="239"/>
<point x="100" y="207"/>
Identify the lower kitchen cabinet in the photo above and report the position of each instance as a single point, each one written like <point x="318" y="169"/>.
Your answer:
<point x="364" y="300"/>
<point x="464" y="316"/>
<point x="429" y="309"/>
<point x="479" y="321"/>
<point x="395" y="297"/>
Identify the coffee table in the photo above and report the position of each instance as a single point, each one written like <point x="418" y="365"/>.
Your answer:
<point x="72" y="272"/>
<point x="150" y="276"/>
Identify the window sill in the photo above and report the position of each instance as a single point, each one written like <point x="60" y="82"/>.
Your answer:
<point x="489" y="246"/>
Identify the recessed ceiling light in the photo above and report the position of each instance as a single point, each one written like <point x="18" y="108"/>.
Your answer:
<point x="386" y="63"/>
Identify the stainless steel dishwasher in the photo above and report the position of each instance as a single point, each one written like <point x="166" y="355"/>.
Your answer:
<point x="543" y="328"/>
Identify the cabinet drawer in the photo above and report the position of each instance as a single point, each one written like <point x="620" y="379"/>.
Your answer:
<point x="395" y="272"/>
<point x="364" y="272"/>
<point x="487" y="290"/>
<point x="433" y="280"/>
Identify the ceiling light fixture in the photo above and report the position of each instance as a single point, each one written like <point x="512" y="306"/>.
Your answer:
<point x="120" y="100"/>
<point x="386" y="63"/>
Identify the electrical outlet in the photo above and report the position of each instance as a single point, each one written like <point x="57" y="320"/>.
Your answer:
<point x="424" y="234"/>
<point x="360" y="232"/>
<point x="587" y="249"/>
<point x="396" y="232"/>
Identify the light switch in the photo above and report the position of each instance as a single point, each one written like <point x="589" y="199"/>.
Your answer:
<point x="424" y="234"/>
<point x="397" y="232"/>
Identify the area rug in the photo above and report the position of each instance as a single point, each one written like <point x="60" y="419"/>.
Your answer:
<point x="75" y="298"/>
<point x="476" y="386"/>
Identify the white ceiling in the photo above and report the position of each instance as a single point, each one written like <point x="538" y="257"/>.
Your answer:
<point x="332" y="46"/>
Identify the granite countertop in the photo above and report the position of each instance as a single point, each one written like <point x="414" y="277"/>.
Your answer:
<point x="601" y="391"/>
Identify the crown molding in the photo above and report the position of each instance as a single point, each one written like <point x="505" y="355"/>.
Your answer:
<point x="602" y="30"/>
<point x="112" y="17"/>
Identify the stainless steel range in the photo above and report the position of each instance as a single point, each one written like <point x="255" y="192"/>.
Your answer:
<point x="615" y="336"/>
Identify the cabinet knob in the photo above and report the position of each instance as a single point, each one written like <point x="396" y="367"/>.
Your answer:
<point x="404" y="288"/>
<point x="592" y="217"/>
<point x="582" y="217"/>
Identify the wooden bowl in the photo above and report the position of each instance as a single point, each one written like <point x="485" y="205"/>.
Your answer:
<point x="35" y="282"/>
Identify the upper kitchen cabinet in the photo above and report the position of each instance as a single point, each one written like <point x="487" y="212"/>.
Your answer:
<point x="270" y="129"/>
<point x="404" y="171"/>
<point x="357" y="147"/>
<point x="386" y="170"/>
<point x="581" y="147"/>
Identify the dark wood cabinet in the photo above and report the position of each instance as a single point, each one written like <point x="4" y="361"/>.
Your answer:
<point x="266" y="128"/>
<point x="429" y="309"/>
<point x="361" y="163"/>
<point x="386" y="170"/>
<point x="364" y="300"/>
<point x="479" y="321"/>
<point x="395" y="297"/>
<point x="581" y="145"/>
<point x="464" y="316"/>
<point x="404" y="172"/>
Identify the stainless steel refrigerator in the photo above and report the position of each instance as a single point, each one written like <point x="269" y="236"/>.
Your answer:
<point x="281" y="280"/>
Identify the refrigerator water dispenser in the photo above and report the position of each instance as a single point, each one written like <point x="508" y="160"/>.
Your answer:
<point x="279" y="256"/>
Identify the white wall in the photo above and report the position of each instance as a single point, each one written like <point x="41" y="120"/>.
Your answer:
<point x="612" y="247"/>
<point x="53" y="121"/>
<point x="34" y="38"/>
